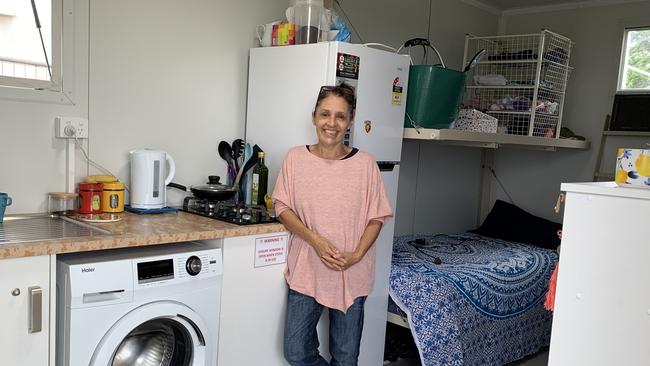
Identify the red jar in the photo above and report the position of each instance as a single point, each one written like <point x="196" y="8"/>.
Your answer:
<point x="90" y="198"/>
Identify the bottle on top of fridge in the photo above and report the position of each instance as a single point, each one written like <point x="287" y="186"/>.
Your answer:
<point x="260" y="181"/>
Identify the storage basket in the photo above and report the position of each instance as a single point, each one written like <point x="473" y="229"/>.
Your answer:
<point x="522" y="81"/>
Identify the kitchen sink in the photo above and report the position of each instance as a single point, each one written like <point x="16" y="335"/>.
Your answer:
<point x="26" y="228"/>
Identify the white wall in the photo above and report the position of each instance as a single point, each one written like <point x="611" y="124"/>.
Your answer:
<point x="171" y="78"/>
<point x="174" y="78"/>
<point x="32" y="160"/>
<point x="160" y="75"/>
<point x="447" y="195"/>
<point x="439" y="187"/>
<point x="533" y="177"/>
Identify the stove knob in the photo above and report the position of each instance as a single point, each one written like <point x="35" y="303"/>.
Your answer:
<point x="193" y="265"/>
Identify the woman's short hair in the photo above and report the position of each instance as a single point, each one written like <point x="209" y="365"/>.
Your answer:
<point x="342" y="90"/>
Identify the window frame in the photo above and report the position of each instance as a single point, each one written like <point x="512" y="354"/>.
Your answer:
<point x="622" y="68"/>
<point x="58" y="89"/>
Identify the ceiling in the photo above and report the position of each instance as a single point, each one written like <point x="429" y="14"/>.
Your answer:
<point x="518" y="4"/>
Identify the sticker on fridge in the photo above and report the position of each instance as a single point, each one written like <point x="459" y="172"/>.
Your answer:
<point x="271" y="250"/>
<point x="347" y="66"/>
<point x="397" y="91"/>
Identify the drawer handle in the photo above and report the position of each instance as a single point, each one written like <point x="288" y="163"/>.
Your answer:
<point x="35" y="309"/>
<point x="103" y="296"/>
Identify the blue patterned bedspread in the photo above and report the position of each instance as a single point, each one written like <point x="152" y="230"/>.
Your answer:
<point x="482" y="305"/>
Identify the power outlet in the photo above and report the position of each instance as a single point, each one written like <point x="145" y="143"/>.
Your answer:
<point x="71" y="127"/>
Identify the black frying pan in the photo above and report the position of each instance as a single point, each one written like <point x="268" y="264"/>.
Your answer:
<point x="213" y="190"/>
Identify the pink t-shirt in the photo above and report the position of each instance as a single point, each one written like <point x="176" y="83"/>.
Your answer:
<point x="336" y="199"/>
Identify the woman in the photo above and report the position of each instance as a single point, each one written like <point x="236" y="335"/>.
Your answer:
<point x="332" y="199"/>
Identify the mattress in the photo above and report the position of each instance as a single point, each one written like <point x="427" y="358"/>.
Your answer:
<point x="470" y="299"/>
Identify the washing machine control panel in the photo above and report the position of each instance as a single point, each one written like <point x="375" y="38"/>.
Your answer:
<point x="178" y="268"/>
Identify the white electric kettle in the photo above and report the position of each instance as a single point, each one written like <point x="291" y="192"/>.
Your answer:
<point x="149" y="178"/>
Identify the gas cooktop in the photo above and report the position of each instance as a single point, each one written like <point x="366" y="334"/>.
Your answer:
<point x="228" y="211"/>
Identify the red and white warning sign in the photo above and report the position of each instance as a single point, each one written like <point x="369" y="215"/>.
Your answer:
<point x="271" y="250"/>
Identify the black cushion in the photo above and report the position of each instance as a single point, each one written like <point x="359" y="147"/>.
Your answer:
<point x="509" y="222"/>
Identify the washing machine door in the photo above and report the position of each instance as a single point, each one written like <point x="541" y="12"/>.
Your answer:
<point x="161" y="333"/>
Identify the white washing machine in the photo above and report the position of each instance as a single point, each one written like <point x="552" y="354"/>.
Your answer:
<point x="148" y="306"/>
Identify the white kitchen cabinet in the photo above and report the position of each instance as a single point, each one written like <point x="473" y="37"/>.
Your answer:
<point x="602" y="304"/>
<point x="25" y="309"/>
<point x="253" y="302"/>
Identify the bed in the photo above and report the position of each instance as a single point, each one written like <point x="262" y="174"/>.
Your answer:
<point x="471" y="299"/>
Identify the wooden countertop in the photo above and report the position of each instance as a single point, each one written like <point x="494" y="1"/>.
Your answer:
<point x="140" y="230"/>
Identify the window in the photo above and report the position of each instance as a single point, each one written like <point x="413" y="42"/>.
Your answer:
<point x="634" y="73"/>
<point x="631" y="109"/>
<point x="22" y="58"/>
<point x="8" y="7"/>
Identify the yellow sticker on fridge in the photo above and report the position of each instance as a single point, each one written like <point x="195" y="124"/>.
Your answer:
<point x="397" y="91"/>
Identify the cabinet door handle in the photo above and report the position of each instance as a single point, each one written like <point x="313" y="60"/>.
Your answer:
<point x="35" y="309"/>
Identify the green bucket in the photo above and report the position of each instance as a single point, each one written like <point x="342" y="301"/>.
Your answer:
<point x="434" y="96"/>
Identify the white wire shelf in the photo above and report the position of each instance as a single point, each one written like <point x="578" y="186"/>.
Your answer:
<point x="526" y="113"/>
<point x="521" y="81"/>
<point x="492" y="140"/>
<point x="525" y="87"/>
<point x="627" y="133"/>
<point x="532" y="61"/>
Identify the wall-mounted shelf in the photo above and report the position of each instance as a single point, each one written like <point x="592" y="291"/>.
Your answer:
<point x="607" y="175"/>
<point x="627" y="133"/>
<point x="492" y="140"/>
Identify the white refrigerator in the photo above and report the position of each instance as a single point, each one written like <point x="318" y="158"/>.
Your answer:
<point x="283" y="84"/>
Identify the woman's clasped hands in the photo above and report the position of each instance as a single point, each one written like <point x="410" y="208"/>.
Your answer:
<point x="332" y="257"/>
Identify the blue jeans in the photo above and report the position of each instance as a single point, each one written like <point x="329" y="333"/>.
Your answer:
<point x="301" y="339"/>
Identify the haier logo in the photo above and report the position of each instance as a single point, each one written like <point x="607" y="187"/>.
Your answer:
<point x="86" y="270"/>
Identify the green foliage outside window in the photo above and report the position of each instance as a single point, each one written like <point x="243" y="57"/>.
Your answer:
<point x="638" y="60"/>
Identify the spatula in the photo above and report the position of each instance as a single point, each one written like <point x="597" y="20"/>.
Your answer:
<point x="225" y="151"/>
<point x="237" y="151"/>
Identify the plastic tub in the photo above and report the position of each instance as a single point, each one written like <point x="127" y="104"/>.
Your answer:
<point x="61" y="202"/>
<point x="434" y="96"/>
<point x="307" y="15"/>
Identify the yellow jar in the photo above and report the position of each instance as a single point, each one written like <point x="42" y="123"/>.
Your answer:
<point x="113" y="197"/>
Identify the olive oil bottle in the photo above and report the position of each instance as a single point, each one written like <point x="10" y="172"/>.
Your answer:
<point x="260" y="181"/>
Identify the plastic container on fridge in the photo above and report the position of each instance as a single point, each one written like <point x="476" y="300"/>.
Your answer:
<point x="307" y="15"/>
